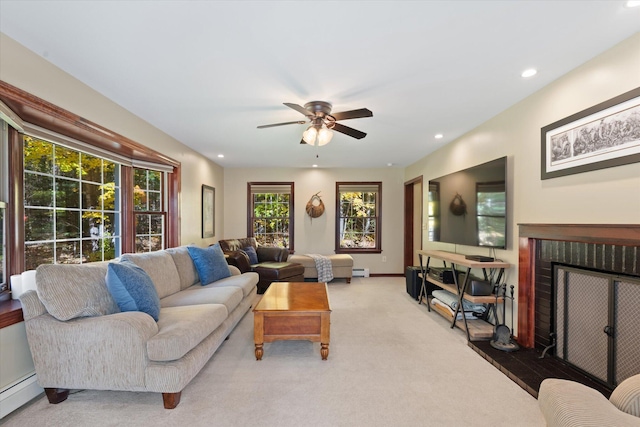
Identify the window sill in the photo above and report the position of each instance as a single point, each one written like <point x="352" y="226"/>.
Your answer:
<point x="358" y="251"/>
<point x="10" y="313"/>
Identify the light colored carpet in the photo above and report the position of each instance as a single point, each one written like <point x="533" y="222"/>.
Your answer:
<point x="391" y="363"/>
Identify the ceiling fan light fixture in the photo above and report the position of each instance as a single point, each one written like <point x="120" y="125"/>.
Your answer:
<point x="309" y="135"/>
<point x="324" y="136"/>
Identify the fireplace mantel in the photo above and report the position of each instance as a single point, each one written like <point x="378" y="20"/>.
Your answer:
<point x="531" y="234"/>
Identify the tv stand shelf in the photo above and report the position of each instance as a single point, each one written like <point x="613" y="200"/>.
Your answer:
<point x="492" y="271"/>
<point x="478" y="328"/>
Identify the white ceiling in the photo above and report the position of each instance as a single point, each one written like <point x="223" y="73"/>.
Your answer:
<point x="209" y="72"/>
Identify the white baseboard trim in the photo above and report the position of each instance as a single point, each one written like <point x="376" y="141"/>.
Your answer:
<point x="19" y="393"/>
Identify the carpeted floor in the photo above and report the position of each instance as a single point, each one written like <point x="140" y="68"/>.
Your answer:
<point x="391" y="363"/>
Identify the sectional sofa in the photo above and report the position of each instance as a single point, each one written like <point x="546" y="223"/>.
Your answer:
<point x="80" y="339"/>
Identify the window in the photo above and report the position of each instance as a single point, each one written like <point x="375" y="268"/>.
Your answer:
<point x="491" y="213"/>
<point x="149" y="209"/>
<point x="71" y="205"/>
<point x="270" y="213"/>
<point x="358" y="213"/>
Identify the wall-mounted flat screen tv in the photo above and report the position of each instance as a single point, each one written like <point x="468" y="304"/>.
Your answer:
<point x="469" y="207"/>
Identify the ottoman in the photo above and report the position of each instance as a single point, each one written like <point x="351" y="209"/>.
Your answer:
<point x="341" y="265"/>
<point x="278" y="272"/>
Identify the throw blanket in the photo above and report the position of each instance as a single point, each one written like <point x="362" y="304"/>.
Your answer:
<point x="452" y="301"/>
<point x="467" y="314"/>
<point x="323" y="265"/>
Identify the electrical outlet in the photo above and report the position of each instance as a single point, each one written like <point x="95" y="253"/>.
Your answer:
<point x="384" y="259"/>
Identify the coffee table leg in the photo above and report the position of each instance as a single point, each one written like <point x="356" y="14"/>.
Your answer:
<point x="324" y="351"/>
<point x="258" y="333"/>
<point x="325" y="322"/>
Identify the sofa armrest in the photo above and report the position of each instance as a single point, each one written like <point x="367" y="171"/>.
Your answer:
<point x="102" y="352"/>
<point x="626" y="396"/>
<point x="238" y="259"/>
<point x="567" y="403"/>
<point x="272" y="254"/>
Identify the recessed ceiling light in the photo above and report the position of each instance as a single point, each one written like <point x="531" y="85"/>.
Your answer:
<point x="389" y="164"/>
<point x="529" y="73"/>
<point x="220" y="156"/>
<point x="314" y="166"/>
<point x="438" y="136"/>
<point x="631" y="3"/>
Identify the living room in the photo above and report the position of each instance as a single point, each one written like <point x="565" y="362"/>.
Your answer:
<point x="604" y="196"/>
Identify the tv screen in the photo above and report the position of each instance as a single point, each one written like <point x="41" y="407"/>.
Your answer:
<point x="469" y="207"/>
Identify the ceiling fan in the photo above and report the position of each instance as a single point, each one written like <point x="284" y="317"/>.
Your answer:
<point x="323" y="121"/>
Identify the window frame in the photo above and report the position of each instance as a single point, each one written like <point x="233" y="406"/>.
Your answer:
<point x="50" y="117"/>
<point x="378" y="217"/>
<point x="55" y="179"/>
<point x="250" y="208"/>
<point x="162" y="212"/>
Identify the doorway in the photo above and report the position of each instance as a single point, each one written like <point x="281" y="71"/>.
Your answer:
<point x="413" y="221"/>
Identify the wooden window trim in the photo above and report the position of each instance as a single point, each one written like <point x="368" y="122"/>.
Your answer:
<point x="37" y="111"/>
<point x="378" y="248"/>
<point x="291" y="210"/>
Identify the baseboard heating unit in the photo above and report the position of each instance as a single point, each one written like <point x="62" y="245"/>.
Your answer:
<point x="17" y="394"/>
<point x="360" y="272"/>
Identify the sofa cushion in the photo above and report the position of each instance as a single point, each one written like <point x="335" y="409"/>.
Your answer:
<point x="180" y="329"/>
<point x="246" y="281"/>
<point x="626" y="396"/>
<point x="186" y="268"/>
<point x="74" y="290"/>
<point x="229" y="296"/>
<point x="132" y="288"/>
<point x="160" y="267"/>
<point x="252" y="254"/>
<point x="210" y="263"/>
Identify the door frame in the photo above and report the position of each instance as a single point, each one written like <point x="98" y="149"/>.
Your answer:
<point x="409" y="238"/>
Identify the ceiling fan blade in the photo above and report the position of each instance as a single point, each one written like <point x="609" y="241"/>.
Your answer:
<point x="299" y="122"/>
<point x="300" y="109"/>
<point x="353" y="114"/>
<point x="354" y="133"/>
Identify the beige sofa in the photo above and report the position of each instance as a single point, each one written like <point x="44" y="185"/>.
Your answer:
<point x="80" y="339"/>
<point x="570" y="404"/>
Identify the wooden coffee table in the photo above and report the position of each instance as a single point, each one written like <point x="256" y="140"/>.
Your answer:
<point x="293" y="311"/>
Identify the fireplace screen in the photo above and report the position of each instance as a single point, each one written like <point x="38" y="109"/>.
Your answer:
<point x="596" y="323"/>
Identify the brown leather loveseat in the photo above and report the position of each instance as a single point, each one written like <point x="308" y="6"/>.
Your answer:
<point x="271" y="265"/>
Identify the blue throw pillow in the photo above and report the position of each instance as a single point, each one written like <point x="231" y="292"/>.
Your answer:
<point x="210" y="263"/>
<point x="132" y="288"/>
<point x="251" y="253"/>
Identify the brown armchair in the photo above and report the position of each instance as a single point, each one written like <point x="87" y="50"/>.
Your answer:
<point x="272" y="263"/>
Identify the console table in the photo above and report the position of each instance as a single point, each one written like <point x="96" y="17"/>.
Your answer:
<point x="492" y="271"/>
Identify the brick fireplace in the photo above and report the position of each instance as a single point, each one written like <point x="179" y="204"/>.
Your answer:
<point x="611" y="248"/>
<point x="543" y="249"/>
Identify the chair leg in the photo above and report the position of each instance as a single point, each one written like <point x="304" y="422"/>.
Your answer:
<point x="171" y="400"/>
<point x="56" y="395"/>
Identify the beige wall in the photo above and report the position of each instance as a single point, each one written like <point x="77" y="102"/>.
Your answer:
<point x="317" y="236"/>
<point x="606" y="196"/>
<point x="27" y="71"/>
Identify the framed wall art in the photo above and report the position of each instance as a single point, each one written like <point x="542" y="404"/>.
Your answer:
<point x="603" y="136"/>
<point x="208" y="211"/>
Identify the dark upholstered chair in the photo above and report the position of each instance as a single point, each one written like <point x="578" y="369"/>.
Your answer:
<point x="272" y="263"/>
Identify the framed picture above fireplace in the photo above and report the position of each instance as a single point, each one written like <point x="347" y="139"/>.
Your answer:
<point x="603" y="136"/>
